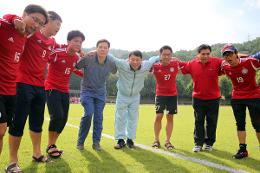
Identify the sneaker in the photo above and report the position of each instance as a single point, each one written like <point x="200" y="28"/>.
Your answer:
<point x="240" y="154"/>
<point x="130" y="143"/>
<point x="80" y="147"/>
<point x="120" y="144"/>
<point x="208" y="148"/>
<point x="197" y="148"/>
<point x="96" y="146"/>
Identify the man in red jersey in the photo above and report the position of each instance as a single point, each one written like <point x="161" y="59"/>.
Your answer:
<point x="30" y="88"/>
<point x="204" y="70"/>
<point x="11" y="47"/>
<point x="245" y="93"/>
<point x="165" y="73"/>
<point x="61" y="66"/>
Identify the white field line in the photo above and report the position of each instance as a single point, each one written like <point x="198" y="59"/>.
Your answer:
<point x="179" y="156"/>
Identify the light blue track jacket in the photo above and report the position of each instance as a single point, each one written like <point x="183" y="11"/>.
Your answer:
<point x="131" y="82"/>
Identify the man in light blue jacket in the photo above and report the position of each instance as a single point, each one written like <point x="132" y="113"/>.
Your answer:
<point x="131" y="74"/>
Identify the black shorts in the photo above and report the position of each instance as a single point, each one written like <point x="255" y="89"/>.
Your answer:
<point x="7" y="108"/>
<point x="58" y="105"/>
<point x="168" y="103"/>
<point x="30" y="101"/>
<point x="239" y="109"/>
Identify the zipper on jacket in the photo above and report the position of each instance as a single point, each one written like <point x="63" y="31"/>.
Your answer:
<point x="132" y="85"/>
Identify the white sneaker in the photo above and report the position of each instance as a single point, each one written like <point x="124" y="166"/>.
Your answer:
<point x="208" y="148"/>
<point x="197" y="148"/>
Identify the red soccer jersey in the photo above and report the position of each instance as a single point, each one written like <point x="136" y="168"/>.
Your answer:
<point x="34" y="59"/>
<point x="166" y="78"/>
<point x="60" y="68"/>
<point x="11" y="47"/>
<point x="205" y="77"/>
<point x="243" y="78"/>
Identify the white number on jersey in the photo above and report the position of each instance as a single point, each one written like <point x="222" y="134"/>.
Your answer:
<point x="167" y="77"/>
<point x="43" y="53"/>
<point x="67" y="71"/>
<point x="17" y="56"/>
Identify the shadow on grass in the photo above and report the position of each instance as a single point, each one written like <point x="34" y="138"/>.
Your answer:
<point x="154" y="162"/>
<point x="106" y="163"/>
<point x="33" y="167"/>
<point x="53" y="166"/>
<point x="57" y="166"/>
<point x="248" y="162"/>
<point x="222" y="155"/>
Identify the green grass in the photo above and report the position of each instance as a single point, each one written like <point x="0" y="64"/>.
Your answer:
<point x="140" y="160"/>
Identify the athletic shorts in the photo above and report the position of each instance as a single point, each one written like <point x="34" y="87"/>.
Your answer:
<point x="7" y="108"/>
<point x="168" y="103"/>
<point x="30" y="101"/>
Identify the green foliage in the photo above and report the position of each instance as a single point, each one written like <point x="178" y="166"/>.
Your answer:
<point x="225" y="87"/>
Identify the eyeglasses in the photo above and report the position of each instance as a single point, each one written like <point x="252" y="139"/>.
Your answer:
<point x="37" y="21"/>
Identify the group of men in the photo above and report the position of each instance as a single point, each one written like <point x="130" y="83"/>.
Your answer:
<point x="27" y="46"/>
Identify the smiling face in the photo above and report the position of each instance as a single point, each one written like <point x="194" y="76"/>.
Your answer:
<point x="75" y="44"/>
<point x="52" y="27"/>
<point x="165" y="56"/>
<point x="34" y="22"/>
<point x="135" y="61"/>
<point x="204" y="55"/>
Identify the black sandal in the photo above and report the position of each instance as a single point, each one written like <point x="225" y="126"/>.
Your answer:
<point x="156" y="144"/>
<point x="53" y="153"/>
<point x="41" y="159"/>
<point x="14" y="167"/>
<point x="169" y="146"/>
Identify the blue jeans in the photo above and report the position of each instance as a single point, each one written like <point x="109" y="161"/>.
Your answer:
<point x="93" y="104"/>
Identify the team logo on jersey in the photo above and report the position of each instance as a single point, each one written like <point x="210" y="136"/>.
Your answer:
<point x="11" y="39"/>
<point x="244" y="71"/>
<point x="171" y="69"/>
<point x="63" y="61"/>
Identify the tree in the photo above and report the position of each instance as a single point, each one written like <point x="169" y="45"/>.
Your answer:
<point x="225" y="87"/>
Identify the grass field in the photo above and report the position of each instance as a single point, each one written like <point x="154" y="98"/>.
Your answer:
<point x="141" y="160"/>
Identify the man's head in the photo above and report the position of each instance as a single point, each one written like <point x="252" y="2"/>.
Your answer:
<point x="165" y="54"/>
<point x="34" y="17"/>
<point x="135" y="59"/>
<point x="229" y="53"/>
<point x="54" y="23"/>
<point x="102" y="48"/>
<point x="75" y="39"/>
<point x="204" y="51"/>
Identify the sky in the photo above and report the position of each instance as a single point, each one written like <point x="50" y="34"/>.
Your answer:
<point x="147" y="25"/>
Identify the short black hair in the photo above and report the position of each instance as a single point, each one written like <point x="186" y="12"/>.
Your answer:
<point x="54" y="16"/>
<point x="165" y="47"/>
<point x="137" y="53"/>
<point x="204" y="46"/>
<point x="75" y="33"/>
<point x="103" y="41"/>
<point x="32" y="8"/>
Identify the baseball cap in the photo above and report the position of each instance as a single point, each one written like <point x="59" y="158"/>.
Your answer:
<point x="228" y="48"/>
